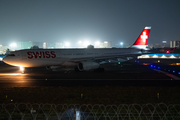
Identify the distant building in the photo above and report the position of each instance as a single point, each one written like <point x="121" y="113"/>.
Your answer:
<point x="174" y="44"/>
<point x="106" y="44"/>
<point x="45" y="45"/>
<point x="150" y="46"/>
<point x="39" y="44"/>
<point x="3" y="49"/>
<point x="51" y="45"/>
<point x="58" y="45"/>
<point x="28" y="45"/>
<point x="24" y="45"/>
<point x="165" y="44"/>
<point x="157" y="45"/>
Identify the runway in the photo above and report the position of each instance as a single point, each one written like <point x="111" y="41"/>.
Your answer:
<point x="127" y="74"/>
<point x="126" y="83"/>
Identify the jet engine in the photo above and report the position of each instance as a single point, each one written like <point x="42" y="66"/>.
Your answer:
<point x="87" y="65"/>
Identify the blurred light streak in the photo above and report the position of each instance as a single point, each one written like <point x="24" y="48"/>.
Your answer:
<point x="11" y="74"/>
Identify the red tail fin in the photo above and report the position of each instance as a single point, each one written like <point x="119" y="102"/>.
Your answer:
<point x="142" y="40"/>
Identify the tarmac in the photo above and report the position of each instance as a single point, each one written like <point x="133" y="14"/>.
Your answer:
<point x="127" y="83"/>
<point x="128" y="74"/>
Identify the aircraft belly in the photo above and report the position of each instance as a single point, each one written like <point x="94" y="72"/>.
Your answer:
<point x="41" y="63"/>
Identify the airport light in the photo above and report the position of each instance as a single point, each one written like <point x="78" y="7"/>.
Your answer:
<point x="86" y="43"/>
<point x="172" y="56"/>
<point x="163" y="56"/>
<point x="21" y="69"/>
<point x="97" y="43"/>
<point x="143" y="56"/>
<point x="147" y="56"/>
<point x="164" y="41"/>
<point x="13" y="46"/>
<point x="121" y="43"/>
<point x="155" y="56"/>
<point x="67" y="44"/>
<point x="80" y="44"/>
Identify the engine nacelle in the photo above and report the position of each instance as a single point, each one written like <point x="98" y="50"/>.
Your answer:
<point x="87" y="65"/>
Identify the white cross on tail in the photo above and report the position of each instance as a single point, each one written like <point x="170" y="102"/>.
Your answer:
<point x="144" y="36"/>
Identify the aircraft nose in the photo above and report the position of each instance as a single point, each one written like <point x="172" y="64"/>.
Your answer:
<point x="6" y="60"/>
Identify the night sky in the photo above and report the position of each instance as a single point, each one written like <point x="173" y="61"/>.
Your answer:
<point x="74" y="20"/>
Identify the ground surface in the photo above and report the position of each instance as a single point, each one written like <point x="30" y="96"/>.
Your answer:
<point x="120" y="84"/>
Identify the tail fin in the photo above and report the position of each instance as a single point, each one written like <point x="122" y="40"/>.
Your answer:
<point x="141" y="41"/>
<point x="172" y="50"/>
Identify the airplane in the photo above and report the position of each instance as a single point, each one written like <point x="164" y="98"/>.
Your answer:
<point x="81" y="59"/>
<point x="170" y="50"/>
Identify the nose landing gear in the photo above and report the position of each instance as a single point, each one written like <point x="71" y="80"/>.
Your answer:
<point x="22" y="69"/>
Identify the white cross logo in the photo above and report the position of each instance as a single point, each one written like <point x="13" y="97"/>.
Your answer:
<point x="144" y="36"/>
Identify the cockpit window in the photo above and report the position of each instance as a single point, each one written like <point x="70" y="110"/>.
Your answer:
<point x="11" y="55"/>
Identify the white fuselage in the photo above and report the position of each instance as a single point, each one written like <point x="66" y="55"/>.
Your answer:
<point x="64" y="57"/>
<point x="85" y="58"/>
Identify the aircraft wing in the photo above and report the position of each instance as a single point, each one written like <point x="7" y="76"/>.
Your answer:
<point x="104" y="58"/>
